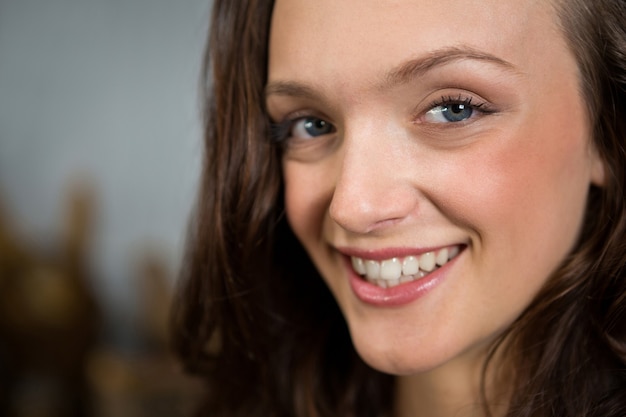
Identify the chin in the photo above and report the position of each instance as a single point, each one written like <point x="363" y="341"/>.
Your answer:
<point x="398" y="365"/>
<point x="400" y="359"/>
<point x="401" y="353"/>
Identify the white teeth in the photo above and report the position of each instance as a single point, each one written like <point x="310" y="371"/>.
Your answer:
<point x="393" y="282"/>
<point x="395" y="271"/>
<point x="359" y="267"/>
<point x="406" y="278"/>
<point x="442" y="257"/>
<point x="427" y="261"/>
<point x="372" y="269"/>
<point x="410" y="266"/>
<point x="391" y="269"/>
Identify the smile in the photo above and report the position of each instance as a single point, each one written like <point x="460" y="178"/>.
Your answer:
<point x="395" y="271"/>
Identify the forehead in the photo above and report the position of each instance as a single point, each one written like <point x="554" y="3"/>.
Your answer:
<point x="330" y="38"/>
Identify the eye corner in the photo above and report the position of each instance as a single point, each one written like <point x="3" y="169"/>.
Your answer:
<point x="302" y="133"/>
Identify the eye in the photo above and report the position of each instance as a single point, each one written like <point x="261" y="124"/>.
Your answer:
<point x="303" y="137"/>
<point x="310" y="127"/>
<point x="450" y="113"/>
<point x="453" y="110"/>
<point x="298" y="131"/>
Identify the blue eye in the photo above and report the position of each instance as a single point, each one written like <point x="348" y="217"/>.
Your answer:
<point x="310" y="127"/>
<point x="453" y="110"/>
<point x="299" y="129"/>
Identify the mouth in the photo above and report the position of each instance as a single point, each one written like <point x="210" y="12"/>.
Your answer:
<point x="396" y="271"/>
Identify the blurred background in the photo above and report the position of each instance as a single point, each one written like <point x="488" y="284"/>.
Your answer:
<point x="100" y="149"/>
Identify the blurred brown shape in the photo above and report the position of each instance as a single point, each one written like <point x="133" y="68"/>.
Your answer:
<point x="148" y="381"/>
<point x="154" y="299"/>
<point x="49" y="320"/>
<point x="140" y="385"/>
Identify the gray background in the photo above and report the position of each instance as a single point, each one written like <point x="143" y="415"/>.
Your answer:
<point x="105" y="92"/>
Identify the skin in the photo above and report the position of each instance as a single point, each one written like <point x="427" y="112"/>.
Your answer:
<point x="509" y="183"/>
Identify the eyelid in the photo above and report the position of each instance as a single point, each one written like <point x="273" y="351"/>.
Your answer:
<point x="280" y="131"/>
<point x="478" y="104"/>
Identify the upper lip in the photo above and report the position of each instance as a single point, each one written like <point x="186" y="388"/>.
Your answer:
<point x="388" y="253"/>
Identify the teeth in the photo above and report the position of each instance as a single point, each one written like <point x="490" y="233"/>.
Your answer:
<point x="372" y="269"/>
<point x="405" y="278"/>
<point x="359" y="267"/>
<point x="393" y="282"/>
<point x="427" y="261"/>
<point x="391" y="269"/>
<point x="395" y="271"/>
<point x="410" y="266"/>
<point x="442" y="257"/>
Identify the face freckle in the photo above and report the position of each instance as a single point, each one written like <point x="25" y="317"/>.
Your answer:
<point x="482" y="146"/>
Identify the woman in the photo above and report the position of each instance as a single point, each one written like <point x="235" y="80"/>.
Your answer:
<point x="411" y="208"/>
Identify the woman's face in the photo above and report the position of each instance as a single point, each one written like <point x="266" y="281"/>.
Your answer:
<point x="437" y="162"/>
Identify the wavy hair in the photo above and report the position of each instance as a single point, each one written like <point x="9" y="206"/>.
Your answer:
<point x="255" y="321"/>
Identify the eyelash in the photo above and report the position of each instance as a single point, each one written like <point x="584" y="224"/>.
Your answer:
<point x="482" y="107"/>
<point x="279" y="132"/>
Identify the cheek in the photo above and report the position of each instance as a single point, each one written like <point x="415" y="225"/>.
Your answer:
<point x="307" y="196"/>
<point x="528" y="180"/>
<point x="524" y="198"/>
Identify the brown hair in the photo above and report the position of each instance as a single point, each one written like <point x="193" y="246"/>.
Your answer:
<point x="569" y="346"/>
<point x="257" y="323"/>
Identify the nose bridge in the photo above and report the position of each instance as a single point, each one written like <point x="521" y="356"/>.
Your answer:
<point x="372" y="188"/>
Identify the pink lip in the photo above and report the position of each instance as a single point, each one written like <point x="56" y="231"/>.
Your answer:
<point x="399" y="295"/>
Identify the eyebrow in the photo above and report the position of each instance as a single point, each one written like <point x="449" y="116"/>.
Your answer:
<point x="290" y="88"/>
<point x="414" y="68"/>
<point x="403" y="73"/>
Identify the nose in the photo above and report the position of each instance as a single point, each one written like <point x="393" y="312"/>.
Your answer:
<point x="373" y="189"/>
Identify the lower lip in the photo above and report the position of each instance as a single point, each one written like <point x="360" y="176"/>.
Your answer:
<point x="401" y="294"/>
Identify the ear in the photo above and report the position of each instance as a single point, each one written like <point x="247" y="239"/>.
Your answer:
<point x="598" y="168"/>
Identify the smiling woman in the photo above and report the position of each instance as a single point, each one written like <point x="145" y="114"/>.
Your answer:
<point x="402" y="218"/>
